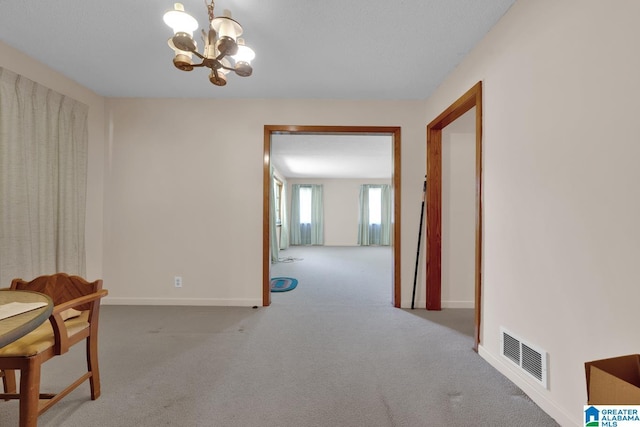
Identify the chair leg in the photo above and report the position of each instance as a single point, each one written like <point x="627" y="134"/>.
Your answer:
<point x="92" y="366"/>
<point x="9" y="381"/>
<point x="29" y="393"/>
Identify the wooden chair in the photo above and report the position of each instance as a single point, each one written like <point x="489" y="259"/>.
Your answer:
<point x="9" y="383"/>
<point x="74" y="319"/>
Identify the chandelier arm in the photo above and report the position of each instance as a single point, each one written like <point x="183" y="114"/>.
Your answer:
<point x="198" y="54"/>
<point x="202" y="64"/>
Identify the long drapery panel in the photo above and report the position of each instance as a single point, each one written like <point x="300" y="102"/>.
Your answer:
<point x="317" y="215"/>
<point x="386" y="215"/>
<point x="307" y="222"/>
<point x="43" y="174"/>
<point x="294" y="228"/>
<point x="363" y="218"/>
<point x="284" y="224"/>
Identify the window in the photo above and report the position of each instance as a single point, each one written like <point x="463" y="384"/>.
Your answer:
<point x="375" y="206"/>
<point x="305" y="205"/>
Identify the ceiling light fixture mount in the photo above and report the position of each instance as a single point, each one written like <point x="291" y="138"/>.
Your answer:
<point x="221" y="42"/>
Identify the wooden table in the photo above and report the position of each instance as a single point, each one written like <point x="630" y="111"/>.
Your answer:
<point x="20" y="325"/>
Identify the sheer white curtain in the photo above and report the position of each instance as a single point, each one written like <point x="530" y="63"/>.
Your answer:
<point x="374" y="228"/>
<point x="43" y="169"/>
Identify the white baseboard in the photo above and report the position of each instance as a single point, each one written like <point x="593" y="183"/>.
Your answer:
<point x="531" y="390"/>
<point x="225" y="302"/>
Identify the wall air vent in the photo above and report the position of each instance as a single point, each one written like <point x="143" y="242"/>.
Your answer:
<point x="511" y="348"/>
<point x="526" y="357"/>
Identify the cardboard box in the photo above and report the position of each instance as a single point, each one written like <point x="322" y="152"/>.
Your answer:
<point x="614" y="381"/>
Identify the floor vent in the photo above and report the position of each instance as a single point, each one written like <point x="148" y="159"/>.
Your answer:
<point x="525" y="356"/>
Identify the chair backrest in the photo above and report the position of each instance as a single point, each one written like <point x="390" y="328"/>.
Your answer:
<point x="60" y="287"/>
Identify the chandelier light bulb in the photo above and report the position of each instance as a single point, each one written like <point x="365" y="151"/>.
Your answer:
<point x="180" y="21"/>
<point x="228" y="31"/>
<point x="183" y="60"/>
<point x="245" y="53"/>
<point x="178" y="50"/>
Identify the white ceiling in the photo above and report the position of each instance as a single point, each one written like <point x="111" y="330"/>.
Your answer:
<point x="332" y="156"/>
<point x="357" y="49"/>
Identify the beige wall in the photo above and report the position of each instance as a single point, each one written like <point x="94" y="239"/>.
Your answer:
<point x="26" y="66"/>
<point x="184" y="191"/>
<point x="459" y="212"/>
<point x="341" y="207"/>
<point x="561" y="211"/>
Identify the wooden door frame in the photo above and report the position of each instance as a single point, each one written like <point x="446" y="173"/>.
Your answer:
<point x="472" y="98"/>
<point x="394" y="131"/>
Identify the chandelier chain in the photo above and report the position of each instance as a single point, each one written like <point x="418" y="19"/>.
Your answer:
<point x="210" y="9"/>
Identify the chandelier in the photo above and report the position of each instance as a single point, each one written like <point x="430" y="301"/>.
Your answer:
<point x="221" y="43"/>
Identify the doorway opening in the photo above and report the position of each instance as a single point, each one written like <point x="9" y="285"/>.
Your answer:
<point x="394" y="132"/>
<point x="472" y="98"/>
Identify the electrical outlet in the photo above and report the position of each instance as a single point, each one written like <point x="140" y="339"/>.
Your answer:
<point x="177" y="281"/>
